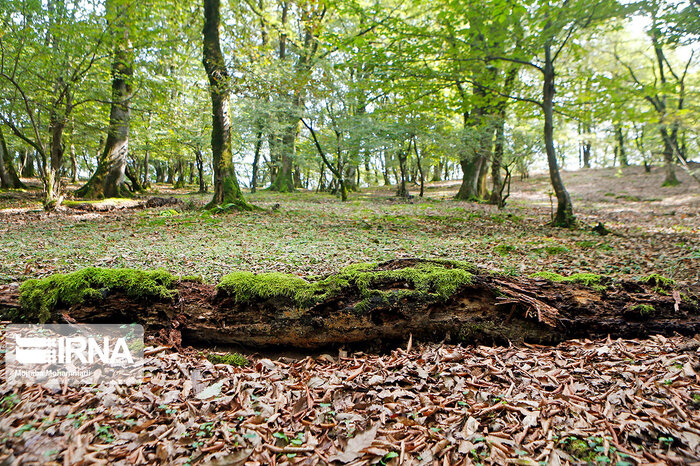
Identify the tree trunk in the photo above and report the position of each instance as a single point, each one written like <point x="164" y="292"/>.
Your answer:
<point x="564" y="216"/>
<point x="256" y="162"/>
<point x="420" y="167"/>
<point x="226" y="188"/>
<point x="146" y="169"/>
<point x="73" y="163"/>
<point x="437" y="171"/>
<point x="283" y="181"/>
<point x="497" y="165"/>
<point x="28" y="169"/>
<point x="8" y="174"/>
<point x="5" y="181"/>
<point x="402" y="191"/>
<point x="199" y="159"/>
<point x="133" y="177"/>
<point x="620" y="138"/>
<point x="108" y="178"/>
<point x="384" y="309"/>
<point x="53" y="189"/>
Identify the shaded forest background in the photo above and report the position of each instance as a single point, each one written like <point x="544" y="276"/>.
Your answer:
<point x="337" y="96"/>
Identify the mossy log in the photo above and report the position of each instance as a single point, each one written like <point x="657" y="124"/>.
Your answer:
<point x="369" y="305"/>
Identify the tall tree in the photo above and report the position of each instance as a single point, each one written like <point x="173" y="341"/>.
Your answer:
<point x="108" y="179"/>
<point x="226" y="188"/>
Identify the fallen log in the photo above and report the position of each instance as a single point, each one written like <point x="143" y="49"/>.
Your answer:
<point x="362" y="305"/>
<point x="109" y="205"/>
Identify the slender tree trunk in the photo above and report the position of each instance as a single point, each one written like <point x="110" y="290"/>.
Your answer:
<point x="73" y="163"/>
<point x="420" y="166"/>
<point x="226" y="188"/>
<point x="564" y="216"/>
<point x="620" y="139"/>
<point x="28" y="169"/>
<point x="385" y="166"/>
<point x="669" y="159"/>
<point x="256" y="162"/>
<point x="146" y="168"/>
<point x="402" y="191"/>
<point x="497" y="166"/>
<point x="199" y="159"/>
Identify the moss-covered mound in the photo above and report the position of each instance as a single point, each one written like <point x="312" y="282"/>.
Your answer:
<point x="40" y="297"/>
<point x="434" y="280"/>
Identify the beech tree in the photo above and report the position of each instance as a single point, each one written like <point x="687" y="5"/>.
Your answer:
<point x="108" y="178"/>
<point x="226" y="188"/>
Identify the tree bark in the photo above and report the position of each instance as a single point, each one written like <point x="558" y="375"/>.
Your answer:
<point x="402" y="155"/>
<point x="108" y="179"/>
<point x="28" y="169"/>
<point x="5" y="181"/>
<point x="226" y="188"/>
<point x="199" y="159"/>
<point x="564" y="216"/>
<point x="8" y="174"/>
<point x="620" y="138"/>
<point x="490" y="309"/>
<point x="146" y="168"/>
<point x="256" y="162"/>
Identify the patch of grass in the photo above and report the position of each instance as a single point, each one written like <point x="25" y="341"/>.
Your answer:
<point x="40" y="297"/>
<point x="628" y="197"/>
<point x="587" y="279"/>
<point x="232" y="359"/>
<point x="504" y="249"/>
<point x="436" y="280"/>
<point x="552" y="249"/>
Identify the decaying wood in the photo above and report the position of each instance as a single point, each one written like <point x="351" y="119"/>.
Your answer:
<point x="106" y="206"/>
<point x="492" y="309"/>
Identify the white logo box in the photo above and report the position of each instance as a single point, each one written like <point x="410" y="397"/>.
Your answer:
<point x="73" y="354"/>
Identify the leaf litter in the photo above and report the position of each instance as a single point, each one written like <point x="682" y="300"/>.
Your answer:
<point x="582" y="402"/>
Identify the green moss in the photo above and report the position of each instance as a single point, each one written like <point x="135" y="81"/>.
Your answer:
<point x="436" y="280"/>
<point x="644" y="309"/>
<point x="658" y="281"/>
<point x="587" y="279"/>
<point x="192" y="278"/>
<point x="39" y="298"/>
<point x="245" y="286"/>
<point x="233" y="359"/>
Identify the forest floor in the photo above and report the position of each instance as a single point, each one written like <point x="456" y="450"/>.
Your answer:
<point x="598" y="402"/>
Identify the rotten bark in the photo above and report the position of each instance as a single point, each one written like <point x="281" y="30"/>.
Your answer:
<point x="491" y="309"/>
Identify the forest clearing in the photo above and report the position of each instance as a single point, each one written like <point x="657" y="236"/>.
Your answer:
<point x="353" y="232"/>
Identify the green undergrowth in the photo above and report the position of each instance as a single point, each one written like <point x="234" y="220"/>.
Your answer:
<point x="40" y="297"/>
<point x="434" y="280"/>
<point x="587" y="279"/>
